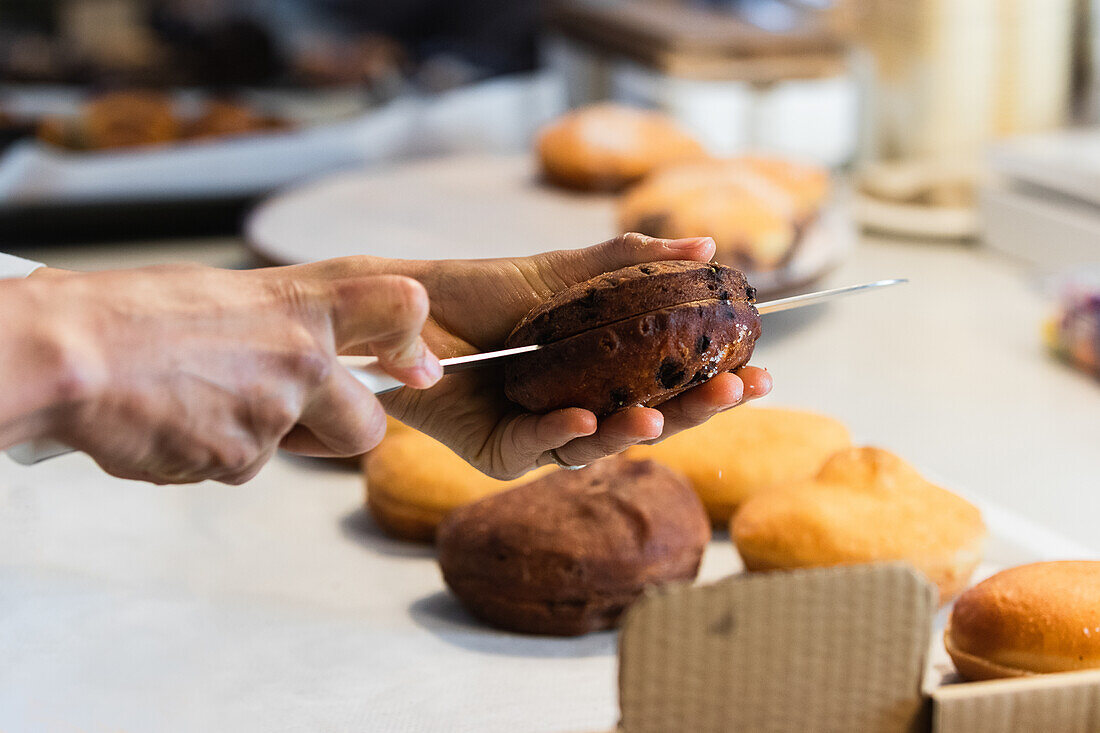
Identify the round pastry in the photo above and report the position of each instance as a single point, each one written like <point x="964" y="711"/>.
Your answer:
<point x="127" y="119"/>
<point x="741" y="452"/>
<point x="1032" y="619"/>
<point x="639" y="335"/>
<point x="567" y="553"/>
<point x="413" y="482"/>
<point x="754" y="208"/>
<point x="226" y="119"/>
<point x="807" y="186"/>
<point x="605" y="147"/>
<point x="865" y="505"/>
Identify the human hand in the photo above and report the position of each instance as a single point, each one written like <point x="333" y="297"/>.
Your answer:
<point x="474" y="306"/>
<point x="180" y="374"/>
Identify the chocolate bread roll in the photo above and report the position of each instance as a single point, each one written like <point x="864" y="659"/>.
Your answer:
<point x="639" y="335"/>
<point x="567" y="553"/>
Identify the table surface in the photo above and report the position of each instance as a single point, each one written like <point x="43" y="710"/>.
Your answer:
<point x="214" y="603"/>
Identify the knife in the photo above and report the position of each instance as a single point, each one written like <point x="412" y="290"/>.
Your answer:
<point x="366" y="369"/>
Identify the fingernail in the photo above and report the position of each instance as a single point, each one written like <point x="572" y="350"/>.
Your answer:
<point x="428" y="365"/>
<point x="692" y="243"/>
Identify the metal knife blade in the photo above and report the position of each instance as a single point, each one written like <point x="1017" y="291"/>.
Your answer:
<point x="461" y="363"/>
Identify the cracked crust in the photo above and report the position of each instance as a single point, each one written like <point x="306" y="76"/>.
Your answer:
<point x="565" y="554"/>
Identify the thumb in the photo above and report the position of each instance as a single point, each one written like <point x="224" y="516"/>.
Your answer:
<point x="571" y="266"/>
<point x="387" y="313"/>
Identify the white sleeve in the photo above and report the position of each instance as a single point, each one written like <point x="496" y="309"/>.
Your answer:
<point x="36" y="450"/>
<point x="11" y="266"/>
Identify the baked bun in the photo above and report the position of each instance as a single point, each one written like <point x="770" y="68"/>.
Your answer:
<point x="639" y="335"/>
<point x="1026" y="620"/>
<point x="567" y="553"/>
<point x="129" y="119"/>
<point x="865" y="505"/>
<point x="413" y="481"/>
<point x="607" y="146"/>
<point x="755" y="208"/>
<point x="739" y="453"/>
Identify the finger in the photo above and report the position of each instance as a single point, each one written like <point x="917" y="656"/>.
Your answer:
<point x="528" y="437"/>
<point x="758" y="382"/>
<point x="387" y="312"/>
<point x="577" y="265"/>
<point x="341" y="418"/>
<point x="616" y="433"/>
<point x="699" y="404"/>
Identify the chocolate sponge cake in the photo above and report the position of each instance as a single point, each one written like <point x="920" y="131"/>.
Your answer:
<point x="567" y="553"/>
<point x="639" y="335"/>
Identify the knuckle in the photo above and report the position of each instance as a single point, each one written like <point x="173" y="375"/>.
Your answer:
<point x="297" y="294"/>
<point x="408" y="300"/>
<point x="272" y="415"/>
<point x="634" y="240"/>
<point x="231" y="456"/>
<point x="308" y="363"/>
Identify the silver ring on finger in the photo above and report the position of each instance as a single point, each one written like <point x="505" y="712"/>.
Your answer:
<point x="557" y="459"/>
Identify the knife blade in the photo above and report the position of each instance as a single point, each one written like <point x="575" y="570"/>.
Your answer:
<point x="366" y="370"/>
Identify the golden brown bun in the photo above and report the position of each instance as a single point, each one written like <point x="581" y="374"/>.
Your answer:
<point x="739" y="453"/>
<point x="807" y="185"/>
<point x="1031" y="619"/>
<point x="414" y="481"/>
<point x="605" y="147"/>
<point x="865" y="505"/>
<point x="753" y="207"/>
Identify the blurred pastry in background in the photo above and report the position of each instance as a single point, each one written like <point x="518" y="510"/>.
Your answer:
<point x="371" y="59"/>
<point x="128" y="119"/>
<point x="413" y="481"/>
<point x="607" y="146"/>
<point x="1031" y="619"/>
<point x="755" y="208"/>
<point x="742" y="452"/>
<point x="138" y="118"/>
<point x="919" y="198"/>
<point x="566" y="554"/>
<point x="865" y="505"/>
<point x="222" y="118"/>
<point x="1074" y="333"/>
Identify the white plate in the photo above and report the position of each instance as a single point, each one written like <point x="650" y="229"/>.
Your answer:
<point x="474" y="206"/>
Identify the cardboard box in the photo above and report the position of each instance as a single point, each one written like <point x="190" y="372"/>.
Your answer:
<point x="833" y="649"/>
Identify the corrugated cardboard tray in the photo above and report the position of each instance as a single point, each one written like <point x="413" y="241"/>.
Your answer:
<point x="835" y="649"/>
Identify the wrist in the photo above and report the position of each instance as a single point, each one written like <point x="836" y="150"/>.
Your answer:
<point x="47" y="365"/>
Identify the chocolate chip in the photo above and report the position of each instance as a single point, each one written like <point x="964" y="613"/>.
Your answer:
<point x="647" y="269"/>
<point x="591" y="299"/>
<point x="750" y="293"/>
<point x="724" y="295"/>
<point x="670" y="373"/>
<point x="620" y="397"/>
<point x="702" y="343"/>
